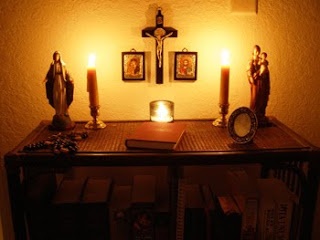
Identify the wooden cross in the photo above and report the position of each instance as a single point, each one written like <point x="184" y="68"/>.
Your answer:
<point x="159" y="33"/>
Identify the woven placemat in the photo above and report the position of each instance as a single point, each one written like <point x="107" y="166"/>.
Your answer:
<point x="200" y="135"/>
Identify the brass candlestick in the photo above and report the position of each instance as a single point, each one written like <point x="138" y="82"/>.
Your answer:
<point x="222" y="121"/>
<point x="95" y="123"/>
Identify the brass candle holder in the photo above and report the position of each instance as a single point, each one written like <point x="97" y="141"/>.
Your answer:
<point x="222" y="121"/>
<point x="95" y="123"/>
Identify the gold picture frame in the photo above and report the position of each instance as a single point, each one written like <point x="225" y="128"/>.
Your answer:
<point x="185" y="65"/>
<point x="133" y="65"/>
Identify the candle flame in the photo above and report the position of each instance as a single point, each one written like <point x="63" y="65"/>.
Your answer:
<point x="225" y="57"/>
<point x="92" y="61"/>
<point x="162" y="113"/>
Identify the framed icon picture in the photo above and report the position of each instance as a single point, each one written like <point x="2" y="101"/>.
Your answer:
<point x="133" y="65"/>
<point x="185" y="66"/>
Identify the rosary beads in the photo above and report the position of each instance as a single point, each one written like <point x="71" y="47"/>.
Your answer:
<point x="58" y="143"/>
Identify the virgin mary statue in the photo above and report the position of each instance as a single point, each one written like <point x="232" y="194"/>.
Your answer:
<point x="59" y="91"/>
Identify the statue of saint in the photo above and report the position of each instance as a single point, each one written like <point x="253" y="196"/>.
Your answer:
<point x="59" y="91"/>
<point x="259" y="80"/>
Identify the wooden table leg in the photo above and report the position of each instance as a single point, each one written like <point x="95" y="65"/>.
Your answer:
<point x="310" y="200"/>
<point x="16" y="197"/>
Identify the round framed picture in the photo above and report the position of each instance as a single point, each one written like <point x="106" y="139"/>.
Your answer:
<point x="242" y="125"/>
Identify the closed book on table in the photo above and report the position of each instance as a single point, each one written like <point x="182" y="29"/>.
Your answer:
<point x="67" y="210"/>
<point x="95" y="207"/>
<point x="156" y="135"/>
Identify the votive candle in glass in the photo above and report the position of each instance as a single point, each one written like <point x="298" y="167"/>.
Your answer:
<point x="161" y="111"/>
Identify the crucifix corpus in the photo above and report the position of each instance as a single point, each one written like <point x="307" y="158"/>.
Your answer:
<point x="159" y="33"/>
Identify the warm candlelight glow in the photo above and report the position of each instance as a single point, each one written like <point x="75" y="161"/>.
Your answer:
<point x="92" y="61"/>
<point x="92" y="85"/>
<point x="161" y="111"/>
<point x="225" y="57"/>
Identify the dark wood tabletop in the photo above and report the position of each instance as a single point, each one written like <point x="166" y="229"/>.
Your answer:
<point x="202" y="143"/>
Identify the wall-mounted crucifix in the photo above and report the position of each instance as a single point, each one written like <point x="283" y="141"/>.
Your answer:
<point x="159" y="33"/>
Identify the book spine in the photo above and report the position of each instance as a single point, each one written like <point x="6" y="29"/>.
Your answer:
<point x="119" y="214"/>
<point x="231" y="217"/>
<point x="296" y="221"/>
<point x="209" y="208"/>
<point x="283" y="220"/>
<point x="195" y="218"/>
<point x="249" y="220"/>
<point x="94" y="204"/>
<point x="228" y="205"/>
<point x="142" y="207"/>
<point x="266" y="219"/>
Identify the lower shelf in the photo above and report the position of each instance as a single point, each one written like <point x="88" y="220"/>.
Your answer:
<point x="99" y="208"/>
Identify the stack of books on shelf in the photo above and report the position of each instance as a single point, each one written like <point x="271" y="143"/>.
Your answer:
<point x="252" y="209"/>
<point x="98" y="208"/>
<point x="277" y="210"/>
<point x="269" y="208"/>
<point x="80" y="209"/>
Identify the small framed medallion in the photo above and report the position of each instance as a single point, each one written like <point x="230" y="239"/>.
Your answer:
<point x="185" y="65"/>
<point x="133" y="65"/>
<point x="242" y="125"/>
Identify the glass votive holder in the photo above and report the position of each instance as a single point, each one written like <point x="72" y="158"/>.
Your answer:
<point x="161" y="111"/>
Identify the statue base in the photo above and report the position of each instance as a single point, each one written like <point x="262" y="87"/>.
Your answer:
<point x="263" y="122"/>
<point x="62" y="123"/>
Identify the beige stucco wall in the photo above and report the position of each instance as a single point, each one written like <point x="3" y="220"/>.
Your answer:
<point x="32" y="30"/>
